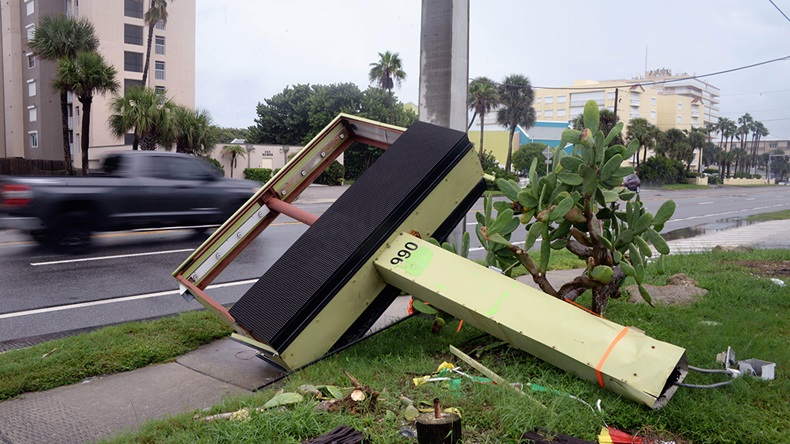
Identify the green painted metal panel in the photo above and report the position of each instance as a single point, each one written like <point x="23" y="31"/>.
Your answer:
<point x="632" y="364"/>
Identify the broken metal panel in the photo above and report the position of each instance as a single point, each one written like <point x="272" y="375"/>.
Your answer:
<point x="227" y="242"/>
<point x="329" y="326"/>
<point x="618" y="358"/>
<point x="313" y="297"/>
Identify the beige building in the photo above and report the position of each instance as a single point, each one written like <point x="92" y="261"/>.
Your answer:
<point x="31" y="118"/>
<point x="663" y="110"/>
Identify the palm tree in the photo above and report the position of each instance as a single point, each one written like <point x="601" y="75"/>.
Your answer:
<point x="195" y="134"/>
<point x="516" y="96"/>
<point x="727" y="128"/>
<point x="483" y="97"/>
<point x="86" y="74"/>
<point x="156" y="12"/>
<point x="233" y="151"/>
<point x="759" y="131"/>
<point x="744" y="129"/>
<point x="643" y="131"/>
<point x="696" y="141"/>
<point x="146" y="112"/>
<point x="57" y="37"/>
<point x="387" y="73"/>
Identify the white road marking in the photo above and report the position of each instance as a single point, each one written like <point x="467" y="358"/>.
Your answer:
<point x="750" y="198"/>
<point x="705" y="203"/>
<point x="103" y="258"/>
<point x="115" y="300"/>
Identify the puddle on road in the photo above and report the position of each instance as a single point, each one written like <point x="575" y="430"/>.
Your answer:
<point x="710" y="227"/>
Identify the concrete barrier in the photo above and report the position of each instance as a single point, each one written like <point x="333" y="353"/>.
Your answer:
<point x="697" y="181"/>
<point x="745" y="181"/>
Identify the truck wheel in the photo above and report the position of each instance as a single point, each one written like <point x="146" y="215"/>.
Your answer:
<point x="42" y="237"/>
<point x="74" y="234"/>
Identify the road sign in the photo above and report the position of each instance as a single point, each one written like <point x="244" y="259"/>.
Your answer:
<point x="547" y="153"/>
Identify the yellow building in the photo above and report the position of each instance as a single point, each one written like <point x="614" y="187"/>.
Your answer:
<point x="663" y="110"/>
<point x="31" y="118"/>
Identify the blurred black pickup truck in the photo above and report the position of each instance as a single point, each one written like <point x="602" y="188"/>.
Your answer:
<point x="133" y="190"/>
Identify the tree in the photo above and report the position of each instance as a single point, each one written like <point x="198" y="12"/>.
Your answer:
<point x="156" y="12"/>
<point x="674" y="144"/>
<point x="727" y="129"/>
<point x="577" y="207"/>
<point x="386" y="73"/>
<point x="194" y="131"/>
<point x="234" y="152"/>
<point x="645" y="132"/>
<point x="483" y="97"/>
<point x="523" y="156"/>
<point x="284" y="118"/>
<point x="85" y="75"/>
<point x="147" y="113"/>
<point x="696" y="140"/>
<point x="711" y="154"/>
<point x="516" y="96"/>
<point x="55" y="38"/>
<point x="226" y="135"/>
<point x="759" y="131"/>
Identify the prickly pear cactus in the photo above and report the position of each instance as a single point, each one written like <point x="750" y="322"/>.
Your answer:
<point x="582" y="207"/>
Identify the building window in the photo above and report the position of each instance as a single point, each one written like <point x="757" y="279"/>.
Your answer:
<point x="610" y="96"/>
<point x="31" y="88"/>
<point x="653" y="101"/>
<point x="33" y="138"/>
<point x="772" y="145"/>
<point x="561" y="113"/>
<point x="133" y="8"/>
<point x="539" y="100"/>
<point x="548" y="99"/>
<point x="160" y="25"/>
<point x="160" y="45"/>
<point x="132" y="34"/>
<point x="162" y="93"/>
<point x="159" y="70"/>
<point x="538" y="113"/>
<point x="680" y="107"/>
<point x="31" y="61"/>
<point x="32" y="113"/>
<point x="31" y="32"/>
<point x="128" y="139"/>
<point x="30" y="7"/>
<point x="131" y="83"/>
<point x="680" y="119"/>
<point x="133" y="61"/>
<point x="561" y="99"/>
<point x="653" y="114"/>
<point x="548" y="113"/>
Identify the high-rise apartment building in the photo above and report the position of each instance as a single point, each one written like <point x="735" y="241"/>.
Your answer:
<point x="31" y="117"/>
<point x="662" y="99"/>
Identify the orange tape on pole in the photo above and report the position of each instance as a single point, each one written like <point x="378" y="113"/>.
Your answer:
<point x="606" y="354"/>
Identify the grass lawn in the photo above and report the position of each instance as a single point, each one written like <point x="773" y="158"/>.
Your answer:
<point x="777" y="215"/>
<point x="108" y="350"/>
<point x="744" y="309"/>
<point x="683" y="186"/>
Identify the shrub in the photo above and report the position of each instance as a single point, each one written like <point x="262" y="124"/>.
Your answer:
<point x="261" y="175"/>
<point x="660" y="170"/>
<point x="499" y="173"/>
<point x="332" y="175"/>
<point x="215" y="165"/>
<point x="713" y="179"/>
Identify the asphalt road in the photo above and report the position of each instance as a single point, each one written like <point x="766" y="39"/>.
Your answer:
<point x="127" y="275"/>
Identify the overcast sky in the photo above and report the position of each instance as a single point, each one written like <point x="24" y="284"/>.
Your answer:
<point x="249" y="50"/>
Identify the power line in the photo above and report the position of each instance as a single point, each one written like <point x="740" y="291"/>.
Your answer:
<point x="658" y="82"/>
<point x="780" y="11"/>
<point x="756" y="93"/>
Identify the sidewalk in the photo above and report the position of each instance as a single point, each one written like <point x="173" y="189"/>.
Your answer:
<point x="105" y="406"/>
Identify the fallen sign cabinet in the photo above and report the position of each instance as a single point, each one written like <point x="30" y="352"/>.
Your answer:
<point x="621" y="359"/>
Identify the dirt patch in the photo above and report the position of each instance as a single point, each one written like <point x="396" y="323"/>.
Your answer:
<point x="780" y="269"/>
<point x="681" y="290"/>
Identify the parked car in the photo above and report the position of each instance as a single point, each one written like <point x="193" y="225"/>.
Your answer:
<point x="632" y="182"/>
<point x="135" y="189"/>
